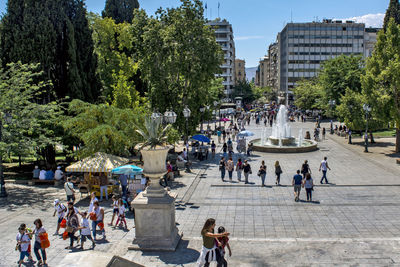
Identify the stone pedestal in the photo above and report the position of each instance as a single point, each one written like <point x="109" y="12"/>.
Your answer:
<point x="155" y="223"/>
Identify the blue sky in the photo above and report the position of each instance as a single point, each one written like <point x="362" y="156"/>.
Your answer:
<point x="257" y="22"/>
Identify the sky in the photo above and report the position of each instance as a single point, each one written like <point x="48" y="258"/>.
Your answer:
<point x="256" y="23"/>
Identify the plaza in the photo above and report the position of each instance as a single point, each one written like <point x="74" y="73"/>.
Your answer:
<point x="354" y="220"/>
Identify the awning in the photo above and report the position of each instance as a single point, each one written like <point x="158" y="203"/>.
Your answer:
<point x="99" y="162"/>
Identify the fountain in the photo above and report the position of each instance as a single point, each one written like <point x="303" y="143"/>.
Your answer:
<point x="281" y="139"/>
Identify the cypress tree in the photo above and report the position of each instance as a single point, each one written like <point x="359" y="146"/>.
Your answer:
<point x="120" y="10"/>
<point x="393" y="11"/>
<point x="56" y="34"/>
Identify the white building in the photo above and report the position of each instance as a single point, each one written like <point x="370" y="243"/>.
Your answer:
<point x="303" y="47"/>
<point x="224" y="36"/>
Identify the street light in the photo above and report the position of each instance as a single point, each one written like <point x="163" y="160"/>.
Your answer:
<point x="157" y="117"/>
<point x="332" y="103"/>
<point x="202" y="109"/>
<point x="216" y="103"/>
<point x="186" y="114"/>
<point x="170" y="117"/>
<point x="7" y="118"/>
<point x="208" y="121"/>
<point x="367" y="109"/>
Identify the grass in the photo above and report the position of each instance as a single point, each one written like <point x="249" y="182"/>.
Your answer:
<point x="381" y="133"/>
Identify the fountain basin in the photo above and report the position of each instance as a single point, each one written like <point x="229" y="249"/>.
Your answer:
<point x="285" y="141"/>
<point x="306" y="146"/>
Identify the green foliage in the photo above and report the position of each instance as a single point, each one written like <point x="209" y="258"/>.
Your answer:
<point x="54" y="33"/>
<point x="153" y="133"/>
<point x="245" y="90"/>
<point x="120" y="10"/>
<point x="393" y="11"/>
<point x="173" y="136"/>
<point x="33" y="124"/>
<point x="103" y="128"/>
<point x="308" y="94"/>
<point x="340" y="73"/>
<point x="381" y="82"/>
<point x="116" y="65"/>
<point x="178" y="56"/>
<point x="265" y="94"/>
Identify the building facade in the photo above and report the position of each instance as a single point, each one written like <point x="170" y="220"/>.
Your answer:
<point x="303" y="47"/>
<point x="224" y="37"/>
<point x="240" y="71"/>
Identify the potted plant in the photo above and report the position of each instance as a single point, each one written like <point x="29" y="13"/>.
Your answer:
<point x="154" y="151"/>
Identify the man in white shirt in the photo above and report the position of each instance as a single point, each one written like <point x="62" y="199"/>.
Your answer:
<point x="58" y="175"/>
<point x="324" y="167"/>
<point x="69" y="190"/>
<point x="42" y="175"/>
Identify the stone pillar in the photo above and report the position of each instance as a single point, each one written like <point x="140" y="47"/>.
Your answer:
<point x="155" y="208"/>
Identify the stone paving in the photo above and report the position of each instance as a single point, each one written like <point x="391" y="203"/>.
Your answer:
<point x="354" y="221"/>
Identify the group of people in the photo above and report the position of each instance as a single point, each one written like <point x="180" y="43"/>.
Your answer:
<point x="245" y="168"/>
<point x="48" y="173"/>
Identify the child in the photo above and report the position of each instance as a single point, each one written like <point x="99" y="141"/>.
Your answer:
<point x="115" y="209"/>
<point x="121" y="213"/>
<point x="85" y="230"/>
<point x="60" y="209"/>
<point x="221" y="243"/>
<point x="23" y="243"/>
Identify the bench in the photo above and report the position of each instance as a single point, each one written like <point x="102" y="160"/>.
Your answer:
<point x="38" y="181"/>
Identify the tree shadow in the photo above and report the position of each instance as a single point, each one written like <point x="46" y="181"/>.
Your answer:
<point x="182" y="255"/>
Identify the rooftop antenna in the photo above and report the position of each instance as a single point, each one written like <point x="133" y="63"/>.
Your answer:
<point x="210" y="12"/>
<point x="291" y="16"/>
<point x="206" y="9"/>
<point x="218" y="9"/>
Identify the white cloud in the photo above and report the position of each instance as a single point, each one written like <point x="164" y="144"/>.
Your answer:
<point x="248" y="37"/>
<point x="370" y="20"/>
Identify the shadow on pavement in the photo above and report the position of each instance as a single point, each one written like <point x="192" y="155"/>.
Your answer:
<point x="182" y="255"/>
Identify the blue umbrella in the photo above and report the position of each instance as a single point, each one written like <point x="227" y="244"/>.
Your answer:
<point x="246" y="133"/>
<point x="201" y="138"/>
<point x="128" y="170"/>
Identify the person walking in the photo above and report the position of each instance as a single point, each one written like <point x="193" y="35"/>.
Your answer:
<point x="239" y="168"/>
<point x="262" y="172"/>
<point x="60" y="209"/>
<point x="213" y="147"/>
<point x="278" y="172"/>
<point x="69" y="190"/>
<point x="219" y="136"/>
<point x="23" y="244"/>
<point x="103" y="186"/>
<point x="224" y="148"/>
<point x="297" y="182"/>
<point x="308" y="184"/>
<point x="99" y="218"/>
<point x="121" y="213"/>
<point x="324" y="167"/>
<point x="222" y="243"/>
<point x="72" y="228"/>
<point x="305" y="168"/>
<point x="115" y="209"/>
<point x="230" y="166"/>
<point x="123" y="180"/>
<point x="93" y="199"/>
<point x="85" y="231"/>
<point x="39" y="230"/>
<point x="208" y="251"/>
<point x="246" y="171"/>
<point x="222" y="168"/>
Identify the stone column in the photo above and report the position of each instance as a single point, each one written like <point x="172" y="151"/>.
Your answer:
<point x="155" y="207"/>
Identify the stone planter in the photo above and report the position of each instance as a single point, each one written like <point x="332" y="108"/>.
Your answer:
<point x="154" y="167"/>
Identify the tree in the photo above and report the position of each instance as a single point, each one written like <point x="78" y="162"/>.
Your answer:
<point x="103" y="128"/>
<point x="116" y="64"/>
<point x="265" y="94"/>
<point x="32" y="125"/>
<point x="381" y="82"/>
<point x="56" y="34"/>
<point x="245" y="90"/>
<point x="340" y="73"/>
<point x="308" y="94"/>
<point x="393" y="11"/>
<point x="120" y="10"/>
<point x="178" y="56"/>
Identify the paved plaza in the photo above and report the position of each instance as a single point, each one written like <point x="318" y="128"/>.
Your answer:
<point x="353" y="221"/>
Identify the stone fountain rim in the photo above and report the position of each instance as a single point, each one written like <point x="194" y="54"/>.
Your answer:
<point x="267" y="149"/>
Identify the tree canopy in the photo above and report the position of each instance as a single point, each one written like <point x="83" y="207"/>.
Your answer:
<point x="393" y="11"/>
<point x="120" y="10"/>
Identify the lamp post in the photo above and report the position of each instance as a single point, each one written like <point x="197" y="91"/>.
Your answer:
<point x="186" y="114"/>
<point x="170" y="117"/>
<point x="367" y="109"/>
<point x="7" y="118"/>
<point x="332" y="103"/>
<point x="215" y="108"/>
<point x="202" y="109"/>
<point x="208" y="121"/>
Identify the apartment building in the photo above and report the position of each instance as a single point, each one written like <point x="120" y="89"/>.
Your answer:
<point x="303" y="47"/>
<point x="262" y="72"/>
<point x="240" y="71"/>
<point x="224" y="37"/>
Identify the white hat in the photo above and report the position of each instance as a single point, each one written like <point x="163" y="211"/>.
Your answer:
<point x="56" y="201"/>
<point x="36" y="167"/>
<point x="58" y="168"/>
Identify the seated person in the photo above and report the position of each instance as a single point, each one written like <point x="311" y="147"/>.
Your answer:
<point x="49" y="174"/>
<point x="181" y="159"/>
<point x="59" y="175"/>
<point x="42" y="174"/>
<point x="36" y="173"/>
